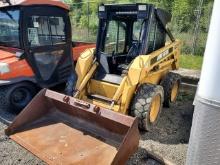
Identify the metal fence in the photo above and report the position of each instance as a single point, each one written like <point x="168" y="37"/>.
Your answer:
<point x="84" y="24"/>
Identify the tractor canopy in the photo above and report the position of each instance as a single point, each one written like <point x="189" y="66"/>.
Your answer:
<point x="129" y="30"/>
<point x="57" y="3"/>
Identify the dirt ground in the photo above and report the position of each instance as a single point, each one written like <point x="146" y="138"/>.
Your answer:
<point x="169" y="139"/>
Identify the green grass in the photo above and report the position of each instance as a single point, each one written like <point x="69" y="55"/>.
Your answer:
<point x="191" y="62"/>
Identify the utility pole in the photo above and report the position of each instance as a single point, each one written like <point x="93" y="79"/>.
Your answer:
<point x="204" y="143"/>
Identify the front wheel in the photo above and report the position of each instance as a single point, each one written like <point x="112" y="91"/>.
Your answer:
<point x="147" y="105"/>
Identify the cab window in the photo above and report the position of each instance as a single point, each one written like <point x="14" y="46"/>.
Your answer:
<point x="9" y="28"/>
<point x="136" y="29"/>
<point x="157" y="36"/>
<point x="115" y="38"/>
<point x="46" y="30"/>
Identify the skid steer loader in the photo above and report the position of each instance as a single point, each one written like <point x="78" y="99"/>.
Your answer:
<point x="127" y="73"/>
<point x="130" y="70"/>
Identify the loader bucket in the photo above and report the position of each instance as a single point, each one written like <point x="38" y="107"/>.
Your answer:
<point x="63" y="130"/>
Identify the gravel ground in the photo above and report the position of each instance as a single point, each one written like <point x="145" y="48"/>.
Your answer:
<point x="168" y="139"/>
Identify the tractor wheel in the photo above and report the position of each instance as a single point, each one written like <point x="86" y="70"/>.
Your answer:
<point x="171" y="85"/>
<point x="147" y="105"/>
<point x="15" y="97"/>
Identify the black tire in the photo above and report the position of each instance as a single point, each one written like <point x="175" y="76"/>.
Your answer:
<point x="168" y="83"/>
<point x="15" y="97"/>
<point x="3" y="100"/>
<point x="142" y="103"/>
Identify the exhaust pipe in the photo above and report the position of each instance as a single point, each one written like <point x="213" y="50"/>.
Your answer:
<point x="204" y="143"/>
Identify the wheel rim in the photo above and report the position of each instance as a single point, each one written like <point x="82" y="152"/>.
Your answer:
<point x="174" y="91"/>
<point x="20" y="96"/>
<point x="155" y="108"/>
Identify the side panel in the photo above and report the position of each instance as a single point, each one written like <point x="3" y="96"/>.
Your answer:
<point x="17" y="69"/>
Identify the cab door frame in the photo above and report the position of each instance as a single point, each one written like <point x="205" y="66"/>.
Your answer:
<point x="66" y="60"/>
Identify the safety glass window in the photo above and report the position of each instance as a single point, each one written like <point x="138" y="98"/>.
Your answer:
<point x="115" y="37"/>
<point x="137" y="27"/>
<point x="44" y="30"/>
<point x="152" y="36"/>
<point x="9" y="28"/>
<point x="160" y="38"/>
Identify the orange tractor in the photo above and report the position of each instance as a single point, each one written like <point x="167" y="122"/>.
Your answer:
<point x="36" y="49"/>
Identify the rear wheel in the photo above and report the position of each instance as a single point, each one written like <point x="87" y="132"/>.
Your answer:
<point x="171" y="85"/>
<point x="15" y="97"/>
<point x="147" y="104"/>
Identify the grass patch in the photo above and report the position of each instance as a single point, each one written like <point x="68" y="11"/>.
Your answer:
<point x="191" y="62"/>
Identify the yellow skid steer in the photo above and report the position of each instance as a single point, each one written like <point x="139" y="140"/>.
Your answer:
<point x="129" y="73"/>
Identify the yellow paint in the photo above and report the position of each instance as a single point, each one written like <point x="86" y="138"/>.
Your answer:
<point x="83" y="65"/>
<point x="155" y="108"/>
<point x="102" y="88"/>
<point x="120" y="89"/>
<point x="174" y="91"/>
<point x="150" y="68"/>
<point x="87" y="77"/>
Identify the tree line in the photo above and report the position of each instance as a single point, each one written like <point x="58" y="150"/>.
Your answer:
<point x="185" y="15"/>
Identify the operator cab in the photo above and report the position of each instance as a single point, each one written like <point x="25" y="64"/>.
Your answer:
<point x="40" y="32"/>
<point x="126" y="31"/>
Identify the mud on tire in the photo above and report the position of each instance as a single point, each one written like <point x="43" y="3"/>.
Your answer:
<point x="142" y="103"/>
<point x="168" y="83"/>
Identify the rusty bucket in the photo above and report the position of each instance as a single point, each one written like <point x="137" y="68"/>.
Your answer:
<point x="64" y="130"/>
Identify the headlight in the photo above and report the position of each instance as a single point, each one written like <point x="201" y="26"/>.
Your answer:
<point x="4" y="68"/>
<point x="142" y="7"/>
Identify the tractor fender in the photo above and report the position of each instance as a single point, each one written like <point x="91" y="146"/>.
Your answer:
<point x="17" y="80"/>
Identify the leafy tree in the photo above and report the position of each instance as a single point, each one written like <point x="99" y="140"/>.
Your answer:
<point x="84" y="17"/>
